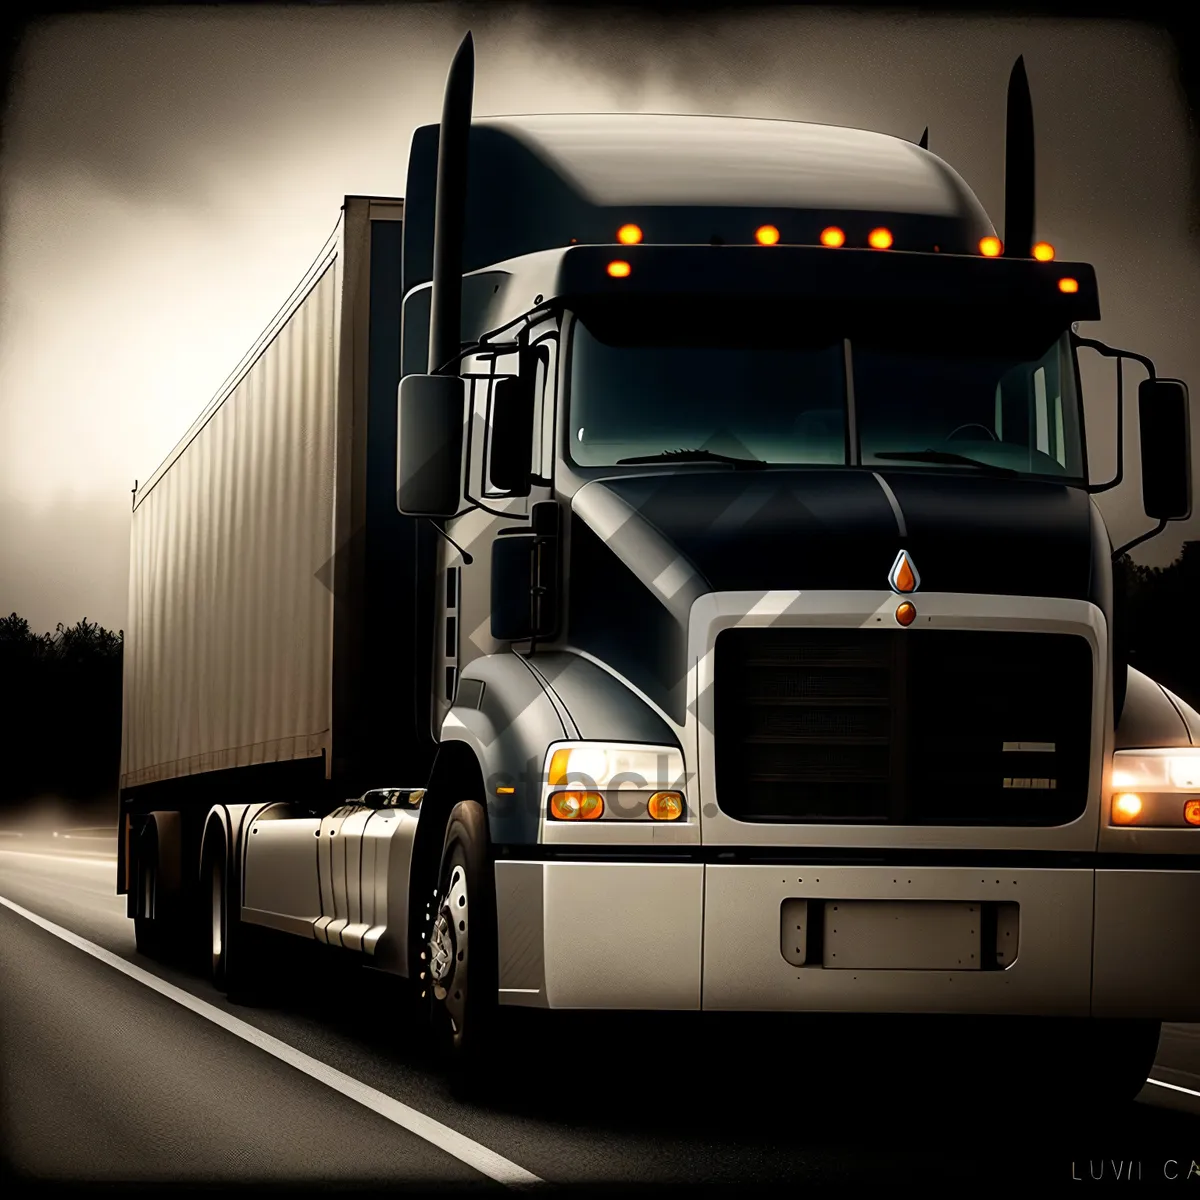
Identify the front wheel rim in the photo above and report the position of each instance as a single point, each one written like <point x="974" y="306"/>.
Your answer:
<point x="447" y="960"/>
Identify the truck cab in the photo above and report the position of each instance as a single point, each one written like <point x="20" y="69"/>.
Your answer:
<point x="775" y="604"/>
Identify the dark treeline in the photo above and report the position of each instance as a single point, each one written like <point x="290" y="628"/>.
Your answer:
<point x="62" y="693"/>
<point x="1162" y="604"/>
<point x="63" y="690"/>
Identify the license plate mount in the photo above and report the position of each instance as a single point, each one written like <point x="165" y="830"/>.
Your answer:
<point x="902" y="935"/>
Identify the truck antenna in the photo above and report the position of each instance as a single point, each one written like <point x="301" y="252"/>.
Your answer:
<point x="924" y="142"/>
<point x="1019" y="178"/>
<point x="450" y="207"/>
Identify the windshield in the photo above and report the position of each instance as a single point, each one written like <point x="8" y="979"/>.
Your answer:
<point x="954" y="398"/>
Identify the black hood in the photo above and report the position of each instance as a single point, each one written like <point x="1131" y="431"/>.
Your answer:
<point x="841" y="529"/>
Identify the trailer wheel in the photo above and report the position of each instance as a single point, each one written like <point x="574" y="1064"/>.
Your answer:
<point x="458" y="969"/>
<point x="148" y="931"/>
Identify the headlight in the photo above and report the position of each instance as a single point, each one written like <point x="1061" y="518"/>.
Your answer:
<point x="1156" y="788"/>
<point x="614" y="781"/>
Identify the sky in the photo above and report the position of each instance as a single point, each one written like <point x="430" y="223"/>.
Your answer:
<point x="167" y="176"/>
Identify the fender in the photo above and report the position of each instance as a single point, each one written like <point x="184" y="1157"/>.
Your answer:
<point x="506" y="716"/>
<point x="599" y="704"/>
<point x="229" y="822"/>
<point x="511" y="710"/>
<point x="1152" y="716"/>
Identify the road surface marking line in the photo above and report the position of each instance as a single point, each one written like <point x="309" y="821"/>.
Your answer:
<point x="1175" y="1087"/>
<point x="456" y="1144"/>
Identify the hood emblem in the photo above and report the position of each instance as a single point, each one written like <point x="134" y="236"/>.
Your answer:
<point x="903" y="577"/>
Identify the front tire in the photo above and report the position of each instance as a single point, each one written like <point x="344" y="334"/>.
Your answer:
<point x="1115" y="1058"/>
<point x="1096" y="1064"/>
<point x="458" y="970"/>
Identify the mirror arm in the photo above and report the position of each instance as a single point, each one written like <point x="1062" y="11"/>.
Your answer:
<point x="1112" y="352"/>
<point x="467" y="557"/>
<point x="484" y="342"/>
<point x="1096" y="488"/>
<point x="1137" y="541"/>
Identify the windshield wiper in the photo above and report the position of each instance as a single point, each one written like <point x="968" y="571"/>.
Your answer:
<point x="693" y="456"/>
<point x="944" y="456"/>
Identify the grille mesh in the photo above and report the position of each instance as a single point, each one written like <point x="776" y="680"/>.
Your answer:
<point x="902" y="726"/>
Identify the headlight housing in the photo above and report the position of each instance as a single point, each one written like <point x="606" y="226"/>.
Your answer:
<point x="1156" y="788"/>
<point x="614" y="781"/>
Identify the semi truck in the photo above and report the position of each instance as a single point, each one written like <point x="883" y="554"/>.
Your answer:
<point x="655" y="566"/>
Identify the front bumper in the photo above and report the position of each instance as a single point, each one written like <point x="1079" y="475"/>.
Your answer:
<point x="691" y="935"/>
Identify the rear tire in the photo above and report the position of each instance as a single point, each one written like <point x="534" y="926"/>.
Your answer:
<point x="235" y="959"/>
<point x="148" y="929"/>
<point x="458" y="970"/>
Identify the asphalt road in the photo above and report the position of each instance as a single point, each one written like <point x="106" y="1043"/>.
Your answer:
<point x="114" y="1068"/>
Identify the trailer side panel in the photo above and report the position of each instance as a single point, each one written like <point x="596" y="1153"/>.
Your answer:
<point x="229" y="637"/>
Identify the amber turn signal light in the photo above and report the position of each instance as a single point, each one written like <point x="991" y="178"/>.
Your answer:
<point x="618" y="270"/>
<point x="1126" y="808"/>
<point x="665" y="806"/>
<point x="576" y="806"/>
<point x="1191" y="812"/>
<point x="1068" y="285"/>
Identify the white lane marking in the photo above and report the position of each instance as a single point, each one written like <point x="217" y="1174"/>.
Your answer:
<point x="1175" y="1087"/>
<point x="486" y="1161"/>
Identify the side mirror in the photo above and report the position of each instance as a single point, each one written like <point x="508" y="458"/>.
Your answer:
<point x="1166" y="449"/>
<point x="431" y="429"/>
<point x="510" y="452"/>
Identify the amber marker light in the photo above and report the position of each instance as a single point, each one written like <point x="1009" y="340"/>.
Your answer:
<point x="1068" y="285"/>
<point x="1191" y="812"/>
<point x="618" y="270"/>
<point x="1126" y="808"/>
<point x="1043" y="252"/>
<point x="766" y="235"/>
<point x="906" y="614"/>
<point x="880" y="239"/>
<point x="833" y="236"/>
<point x="576" y="806"/>
<point x="990" y="247"/>
<point x="665" y="806"/>
<point x="629" y="235"/>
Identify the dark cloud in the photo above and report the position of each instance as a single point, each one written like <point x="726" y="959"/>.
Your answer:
<point x="157" y="107"/>
<point x="65" y="560"/>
